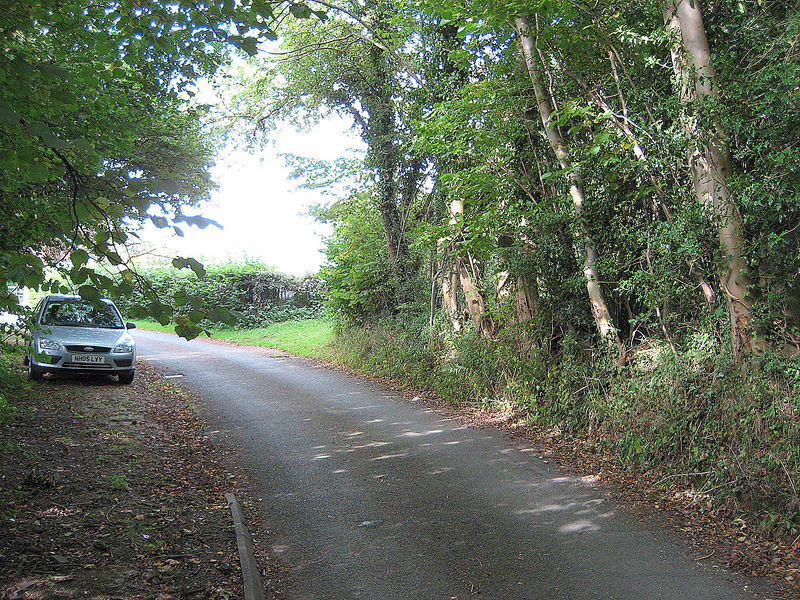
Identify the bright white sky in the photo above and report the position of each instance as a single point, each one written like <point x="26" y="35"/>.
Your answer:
<point x="260" y="209"/>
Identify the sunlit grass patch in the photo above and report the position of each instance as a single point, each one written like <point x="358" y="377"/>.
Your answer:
<point x="310" y="337"/>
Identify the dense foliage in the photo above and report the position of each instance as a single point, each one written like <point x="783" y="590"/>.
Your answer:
<point x="254" y="294"/>
<point x="534" y="151"/>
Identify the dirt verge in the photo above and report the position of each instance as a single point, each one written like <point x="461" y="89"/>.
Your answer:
<point x="110" y="491"/>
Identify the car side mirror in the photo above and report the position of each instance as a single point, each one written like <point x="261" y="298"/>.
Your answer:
<point x="130" y="325"/>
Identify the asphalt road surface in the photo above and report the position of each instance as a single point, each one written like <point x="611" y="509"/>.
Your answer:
<point x="378" y="498"/>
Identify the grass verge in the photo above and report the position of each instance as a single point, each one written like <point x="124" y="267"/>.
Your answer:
<point x="312" y="338"/>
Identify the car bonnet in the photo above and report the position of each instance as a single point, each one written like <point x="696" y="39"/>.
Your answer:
<point x="88" y="336"/>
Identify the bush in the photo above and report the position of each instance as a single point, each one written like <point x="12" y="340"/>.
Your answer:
<point x="258" y="295"/>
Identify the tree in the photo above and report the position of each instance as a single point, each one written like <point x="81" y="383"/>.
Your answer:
<point x="348" y="65"/>
<point x="710" y="163"/>
<point x="97" y="132"/>
<point x="600" y="311"/>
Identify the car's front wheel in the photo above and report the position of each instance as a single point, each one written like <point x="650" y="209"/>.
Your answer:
<point x="126" y="377"/>
<point x="34" y="372"/>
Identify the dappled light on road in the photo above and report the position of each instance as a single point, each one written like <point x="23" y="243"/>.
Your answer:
<point x="390" y="456"/>
<point x="421" y="434"/>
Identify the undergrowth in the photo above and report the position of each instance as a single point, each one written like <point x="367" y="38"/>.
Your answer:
<point x="688" y="415"/>
<point x="13" y="385"/>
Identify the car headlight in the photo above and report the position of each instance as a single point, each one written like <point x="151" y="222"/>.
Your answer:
<point x="124" y="347"/>
<point x="48" y="344"/>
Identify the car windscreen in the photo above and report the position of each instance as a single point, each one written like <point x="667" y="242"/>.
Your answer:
<point x="77" y="313"/>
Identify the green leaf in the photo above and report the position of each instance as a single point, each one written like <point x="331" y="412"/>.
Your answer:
<point x="197" y="267"/>
<point x="249" y="45"/>
<point x="43" y="132"/>
<point x="33" y="280"/>
<point x="79" y="257"/>
<point x="55" y="71"/>
<point x="221" y="315"/>
<point x="197" y="221"/>
<point x="137" y="311"/>
<point x="165" y="186"/>
<point x="300" y="11"/>
<point x="79" y="275"/>
<point x="191" y="263"/>
<point x="124" y="289"/>
<point x="89" y="292"/>
<point x="8" y="115"/>
<point x="81" y="145"/>
<point x="185" y="328"/>
<point x="180" y="298"/>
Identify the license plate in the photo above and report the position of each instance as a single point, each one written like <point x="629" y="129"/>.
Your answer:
<point x="92" y="359"/>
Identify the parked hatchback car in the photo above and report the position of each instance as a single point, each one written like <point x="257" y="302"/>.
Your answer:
<point x="72" y="335"/>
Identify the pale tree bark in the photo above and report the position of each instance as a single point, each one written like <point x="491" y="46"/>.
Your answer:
<point x="527" y="301"/>
<point x="468" y="275"/>
<point x="448" y="283"/>
<point x="599" y="306"/>
<point x="475" y="303"/>
<point x="710" y="164"/>
<point x="524" y="295"/>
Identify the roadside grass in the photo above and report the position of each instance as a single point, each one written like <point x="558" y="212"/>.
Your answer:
<point x="312" y="338"/>
<point x="13" y="386"/>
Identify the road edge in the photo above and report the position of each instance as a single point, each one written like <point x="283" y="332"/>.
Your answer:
<point x="253" y="589"/>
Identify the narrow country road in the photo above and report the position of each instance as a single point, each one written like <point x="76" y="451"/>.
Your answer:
<point x="380" y="499"/>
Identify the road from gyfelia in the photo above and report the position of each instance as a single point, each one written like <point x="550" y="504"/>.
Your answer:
<point x="378" y="498"/>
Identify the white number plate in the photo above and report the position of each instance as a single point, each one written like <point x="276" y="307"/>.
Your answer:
<point x="92" y="359"/>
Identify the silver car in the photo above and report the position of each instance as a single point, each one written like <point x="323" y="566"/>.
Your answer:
<point x="72" y="335"/>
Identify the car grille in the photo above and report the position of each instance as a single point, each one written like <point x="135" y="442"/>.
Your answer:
<point x="84" y="349"/>
<point x="86" y="366"/>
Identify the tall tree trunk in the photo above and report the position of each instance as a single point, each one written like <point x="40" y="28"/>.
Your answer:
<point x="710" y="164"/>
<point x="600" y="311"/>
<point x="527" y="301"/>
<point x="447" y="280"/>
<point x="475" y="303"/>
<point x="468" y="276"/>
<point x="380" y="135"/>
<point x="524" y="295"/>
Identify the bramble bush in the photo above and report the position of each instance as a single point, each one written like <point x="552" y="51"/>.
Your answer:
<point x="256" y="294"/>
